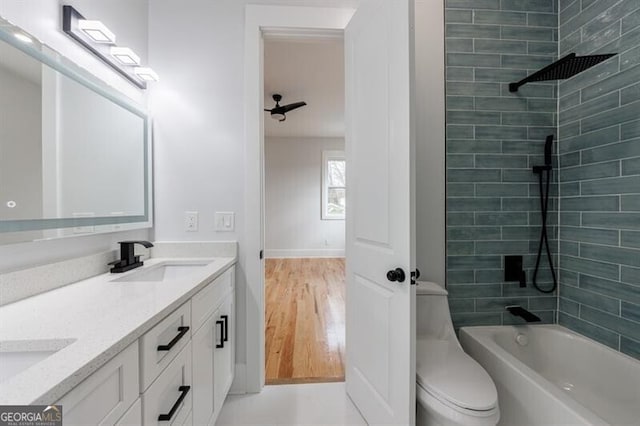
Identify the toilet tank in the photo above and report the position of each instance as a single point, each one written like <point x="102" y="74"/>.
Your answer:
<point x="433" y="315"/>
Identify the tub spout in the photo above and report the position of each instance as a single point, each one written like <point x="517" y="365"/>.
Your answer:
<point x="519" y="311"/>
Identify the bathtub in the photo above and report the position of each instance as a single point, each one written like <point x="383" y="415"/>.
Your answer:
<point x="549" y="375"/>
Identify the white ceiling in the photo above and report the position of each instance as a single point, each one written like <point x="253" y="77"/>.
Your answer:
<point x="306" y="69"/>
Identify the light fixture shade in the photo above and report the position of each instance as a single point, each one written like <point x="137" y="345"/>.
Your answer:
<point x="146" y="74"/>
<point x="278" y="117"/>
<point x="97" y="31"/>
<point x="124" y="55"/>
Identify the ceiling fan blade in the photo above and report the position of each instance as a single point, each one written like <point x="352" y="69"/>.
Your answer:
<point x="291" y="107"/>
<point x="267" y="110"/>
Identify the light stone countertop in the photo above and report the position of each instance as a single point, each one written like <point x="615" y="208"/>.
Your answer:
<point x="99" y="317"/>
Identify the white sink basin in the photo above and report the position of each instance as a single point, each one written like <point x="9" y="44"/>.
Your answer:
<point x="15" y="357"/>
<point x="162" y="272"/>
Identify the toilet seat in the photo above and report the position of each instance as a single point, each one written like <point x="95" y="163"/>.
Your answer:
<point x="455" y="379"/>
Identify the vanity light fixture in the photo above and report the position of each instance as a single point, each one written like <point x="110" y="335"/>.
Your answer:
<point x="94" y="36"/>
<point x="23" y="38"/>
<point x="97" y="31"/>
<point x="146" y="74"/>
<point x="125" y="56"/>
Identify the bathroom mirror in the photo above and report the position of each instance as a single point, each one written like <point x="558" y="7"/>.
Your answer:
<point x="74" y="153"/>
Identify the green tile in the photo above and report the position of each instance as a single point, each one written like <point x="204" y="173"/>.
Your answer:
<point x="630" y="203"/>
<point x="616" y="255"/>
<point x="473" y="233"/>
<point x="589" y="235"/>
<point x="527" y="33"/>
<point x="473" y="204"/>
<point x="499" y="17"/>
<point x="611" y="288"/>
<point x="473" y="4"/>
<point x="599" y="334"/>
<point x="474" y="175"/>
<point x="617" y="324"/>
<point x="592" y="267"/>
<point x="592" y="171"/>
<point x="590" y="204"/>
<point x="612" y="220"/>
<point x="618" y="151"/>
<point x="472" y="31"/>
<point x="620" y="185"/>
<point x="473" y="117"/>
<point x="631" y="166"/>
<point x="459" y="74"/>
<point x="458" y="16"/>
<point x="528" y="5"/>
<point x="473" y="146"/>
<point x="459" y="45"/>
<point x="500" y="132"/>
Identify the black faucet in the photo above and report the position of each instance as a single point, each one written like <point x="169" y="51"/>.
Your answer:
<point x="128" y="259"/>
<point x="519" y="311"/>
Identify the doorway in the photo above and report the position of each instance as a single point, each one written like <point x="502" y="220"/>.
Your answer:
<point x="304" y="209"/>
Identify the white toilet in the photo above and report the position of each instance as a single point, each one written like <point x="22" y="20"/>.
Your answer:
<point x="452" y="388"/>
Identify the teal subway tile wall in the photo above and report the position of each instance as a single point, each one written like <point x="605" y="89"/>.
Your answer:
<point x="494" y="137"/>
<point x="599" y="121"/>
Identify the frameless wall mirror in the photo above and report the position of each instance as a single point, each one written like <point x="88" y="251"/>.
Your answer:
<point x="74" y="154"/>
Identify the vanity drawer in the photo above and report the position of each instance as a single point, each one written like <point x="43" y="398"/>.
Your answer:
<point x="105" y="396"/>
<point x="133" y="417"/>
<point x="170" y="396"/>
<point x="163" y="342"/>
<point x="207" y="300"/>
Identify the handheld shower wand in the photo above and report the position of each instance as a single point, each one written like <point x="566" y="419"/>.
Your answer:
<point x="544" y="208"/>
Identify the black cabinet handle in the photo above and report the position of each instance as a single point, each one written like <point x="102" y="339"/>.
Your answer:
<point x="181" y="332"/>
<point x="166" y="417"/>
<point x="221" y="324"/>
<point x="225" y="318"/>
<point x="396" y="275"/>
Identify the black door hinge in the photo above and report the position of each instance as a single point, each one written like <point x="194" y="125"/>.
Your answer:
<point x="261" y="254"/>
<point x="414" y="276"/>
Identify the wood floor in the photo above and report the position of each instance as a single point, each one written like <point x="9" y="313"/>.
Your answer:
<point x="305" y="320"/>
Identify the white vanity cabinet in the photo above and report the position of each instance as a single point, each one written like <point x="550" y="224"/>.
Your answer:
<point x="178" y="373"/>
<point x="213" y="347"/>
<point x="105" y="396"/>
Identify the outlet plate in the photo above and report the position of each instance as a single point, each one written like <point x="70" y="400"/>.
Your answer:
<point x="190" y="221"/>
<point x="225" y="221"/>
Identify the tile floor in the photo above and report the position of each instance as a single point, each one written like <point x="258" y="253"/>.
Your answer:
<point x="305" y="404"/>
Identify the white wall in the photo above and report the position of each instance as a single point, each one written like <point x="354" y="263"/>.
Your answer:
<point x="42" y="18"/>
<point x="293" y="184"/>
<point x="430" y="140"/>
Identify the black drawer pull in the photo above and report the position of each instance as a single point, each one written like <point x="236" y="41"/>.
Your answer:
<point x="221" y="324"/>
<point x="225" y="318"/>
<point x="166" y="417"/>
<point x="181" y="332"/>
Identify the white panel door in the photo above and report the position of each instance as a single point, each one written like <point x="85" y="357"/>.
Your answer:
<point x="380" y="343"/>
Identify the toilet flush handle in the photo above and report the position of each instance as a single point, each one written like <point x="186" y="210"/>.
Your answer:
<point x="396" y="275"/>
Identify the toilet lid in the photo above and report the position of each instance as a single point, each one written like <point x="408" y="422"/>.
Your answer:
<point x="448" y="373"/>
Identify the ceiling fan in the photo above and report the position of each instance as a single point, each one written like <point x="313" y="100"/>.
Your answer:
<point x="279" y="112"/>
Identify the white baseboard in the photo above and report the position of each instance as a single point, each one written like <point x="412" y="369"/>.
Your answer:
<point x="293" y="253"/>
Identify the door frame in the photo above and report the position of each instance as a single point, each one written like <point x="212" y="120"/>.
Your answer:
<point x="259" y="19"/>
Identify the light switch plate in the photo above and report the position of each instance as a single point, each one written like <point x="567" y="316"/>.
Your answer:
<point x="225" y="221"/>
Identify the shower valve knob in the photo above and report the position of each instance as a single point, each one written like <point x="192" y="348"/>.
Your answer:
<point x="396" y="275"/>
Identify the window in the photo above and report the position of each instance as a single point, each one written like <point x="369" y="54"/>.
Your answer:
<point x="333" y="185"/>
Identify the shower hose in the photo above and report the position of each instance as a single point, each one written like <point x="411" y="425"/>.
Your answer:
<point x="544" y="239"/>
